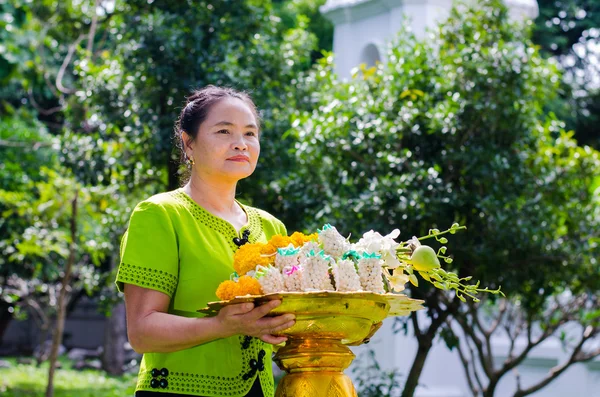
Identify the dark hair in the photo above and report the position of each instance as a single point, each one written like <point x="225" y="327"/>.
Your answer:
<point x="198" y="106"/>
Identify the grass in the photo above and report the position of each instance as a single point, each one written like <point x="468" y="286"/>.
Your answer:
<point x="29" y="380"/>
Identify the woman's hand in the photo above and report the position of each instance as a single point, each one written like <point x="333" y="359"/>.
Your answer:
<point x="246" y="319"/>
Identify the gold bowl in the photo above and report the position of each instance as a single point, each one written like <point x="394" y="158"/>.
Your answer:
<point x="316" y="353"/>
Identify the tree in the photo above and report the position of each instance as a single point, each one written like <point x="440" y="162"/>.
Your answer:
<point x="568" y="31"/>
<point x="108" y="79"/>
<point x="452" y="130"/>
<point x="161" y="51"/>
<point x="25" y="147"/>
<point x="571" y="319"/>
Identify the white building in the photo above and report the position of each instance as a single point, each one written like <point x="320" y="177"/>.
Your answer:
<point x="362" y="29"/>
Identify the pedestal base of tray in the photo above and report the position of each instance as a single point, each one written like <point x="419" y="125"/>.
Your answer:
<point x="315" y="355"/>
<point x="311" y="384"/>
<point x="314" y="367"/>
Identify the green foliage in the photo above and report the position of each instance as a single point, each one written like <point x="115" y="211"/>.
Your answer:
<point x="30" y="380"/>
<point x="108" y="83"/>
<point x="35" y="203"/>
<point x="161" y="51"/>
<point x="372" y="380"/>
<point x="291" y="11"/>
<point x="568" y="31"/>
<point x="25" y="146"/>
<point x="562" y="24"/>
<point x="447" y="130"/>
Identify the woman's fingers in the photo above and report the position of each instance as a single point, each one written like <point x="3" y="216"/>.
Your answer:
<point x="252" y="320"/>
<point x="274" y="340"/>
<point x="282" y="327"/>
<point x="240" y="308"/>
<point x="275" y="324"/>
<point x="263" y="310"/>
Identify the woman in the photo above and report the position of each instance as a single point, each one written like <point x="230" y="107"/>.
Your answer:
<point x="179" y="246"/>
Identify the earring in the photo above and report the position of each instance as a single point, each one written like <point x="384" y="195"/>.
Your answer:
<point x="190" y="160"/>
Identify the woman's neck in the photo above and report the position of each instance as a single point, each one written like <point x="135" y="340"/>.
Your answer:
<point x="215" y="196"/>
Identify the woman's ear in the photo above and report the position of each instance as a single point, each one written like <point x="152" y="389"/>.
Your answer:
<point x="187" y="141"/>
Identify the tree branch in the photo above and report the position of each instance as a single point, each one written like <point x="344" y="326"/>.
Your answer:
<point x="467" y="364"/>
<point x="559" y="369"/>
<point x="486" y="337"/>
<point x="499" y="318"/>
<point x="65" y="64"/>
<point x="92" y="33"/>
<point x="468" y="330"/>
<point x="415" y="323"/>
<point x="45" y="112"/>
<point x="27" y="145"/>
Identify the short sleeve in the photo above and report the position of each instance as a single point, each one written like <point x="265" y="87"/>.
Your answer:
<point x="282" y="228"/>
<point x="149" y="251"/>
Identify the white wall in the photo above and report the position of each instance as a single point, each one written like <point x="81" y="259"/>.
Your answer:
<point x="443" y="374"/>
<point x="360" y="23"/>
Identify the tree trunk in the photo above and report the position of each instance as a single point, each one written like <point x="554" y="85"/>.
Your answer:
<point x="425" y="342"/>
<point x="5" y="319"/>
<point x="115" y="337"/>
<point x="412" y="381"/>
<point x="490" y="389"/>
<point x="62" y="300"/>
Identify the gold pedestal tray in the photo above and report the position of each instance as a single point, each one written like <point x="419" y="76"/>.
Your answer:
<point x="316" y="353"/>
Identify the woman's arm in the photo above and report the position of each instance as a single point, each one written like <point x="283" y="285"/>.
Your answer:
<point x="151" y="329"/>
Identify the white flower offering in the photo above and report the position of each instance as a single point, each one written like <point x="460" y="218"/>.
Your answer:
<point x="270" y="279"/>
<point x="345" y="276"/>
<point x="287" y="257"/>
<point x="371" y="273"/>
<point x="326" y="261"/>
<point x="315" y="272"/>
<point x="292" y="278"/>
<point x="334" y="244"/>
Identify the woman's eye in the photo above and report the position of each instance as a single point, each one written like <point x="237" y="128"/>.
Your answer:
<point x="223" y="132"/>
<point x="251" y="133"/>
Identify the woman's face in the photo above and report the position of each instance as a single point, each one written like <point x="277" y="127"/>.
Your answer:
<point x="227" y="145"/>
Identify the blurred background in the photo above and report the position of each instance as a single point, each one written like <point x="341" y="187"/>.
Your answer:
<point x="377" y="114"/>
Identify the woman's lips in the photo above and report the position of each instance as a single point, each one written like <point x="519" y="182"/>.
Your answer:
<point x="239" y="158"/>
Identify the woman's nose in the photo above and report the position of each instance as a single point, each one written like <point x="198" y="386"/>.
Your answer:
<point x="240" y="144"/>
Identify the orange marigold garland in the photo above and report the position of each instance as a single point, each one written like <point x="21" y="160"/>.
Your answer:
<point x="299" y="239"/>
<point x="249" y="286"/>
<point x="248" y="256"/>
<point x="227" y="290"/>
<point x="277" y="241"/>
<point x="245" y="285"/>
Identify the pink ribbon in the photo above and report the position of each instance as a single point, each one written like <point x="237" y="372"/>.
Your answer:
<point x="292" y="270"/>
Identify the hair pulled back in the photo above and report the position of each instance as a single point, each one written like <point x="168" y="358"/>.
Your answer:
<point x="196" y="110"/>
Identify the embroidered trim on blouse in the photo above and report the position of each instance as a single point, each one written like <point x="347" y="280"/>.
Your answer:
<point x="147" y="277"/>
<point x="221" y="225"/>
<point x="254" y="361"/>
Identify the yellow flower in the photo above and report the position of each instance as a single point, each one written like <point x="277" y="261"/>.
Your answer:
<point x="299" y="239"/>
<point x="248" y="256"/>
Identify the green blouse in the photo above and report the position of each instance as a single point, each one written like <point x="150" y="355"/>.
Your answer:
<point x="174" y="246"/>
